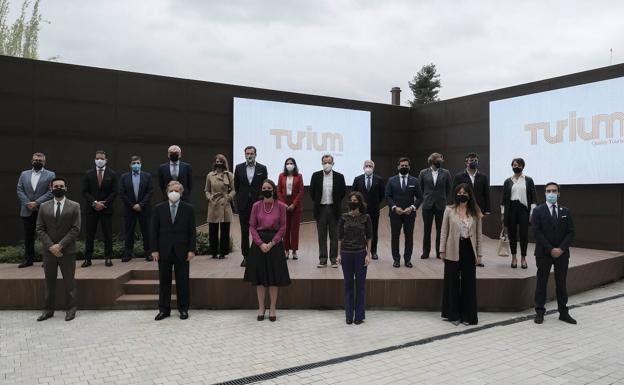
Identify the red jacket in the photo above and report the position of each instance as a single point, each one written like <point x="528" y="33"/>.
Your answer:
<point x="297" y="190"/>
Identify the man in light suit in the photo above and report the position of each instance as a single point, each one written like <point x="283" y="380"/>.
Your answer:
<point x="373" y="188"/>
<point x="135" y="191"/>
<point x="554" y="231"/>
<point x="435" y="184"/>
<point x="33" y="189"/>
<point x="404" y="197"/>
<point x="58" y="227"/>
<point x="248" y="179"/>
<point x="176" y="170"/>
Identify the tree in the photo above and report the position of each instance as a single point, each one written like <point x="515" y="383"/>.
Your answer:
<point x="425" y="85"/>
<point x="22" y="37"/>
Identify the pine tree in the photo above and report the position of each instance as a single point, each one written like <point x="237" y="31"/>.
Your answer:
<point x="425" y="85"/>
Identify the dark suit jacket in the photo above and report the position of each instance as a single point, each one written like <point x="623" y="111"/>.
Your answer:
<point x="403" y="199"/>
<point x="64" y="230"/>
<point x="481" y="188"/>
<point x="185" y="176"/>
<point x="338" y="192"/>
<point x="92" y="192"/>
<point x="506" y="202"/>
<point x="375" y="196"/>
<point x="435" y="196"/>
<point x="550" y="234"/>
<point x="126" y="191"/>
<point x="179" y="237"/>
<point x="247" y="194"/>
<point x="297" y="190"/>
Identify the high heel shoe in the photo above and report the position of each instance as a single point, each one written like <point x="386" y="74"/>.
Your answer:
<point x="261" y="317"/>
<point x="272" y="318"/>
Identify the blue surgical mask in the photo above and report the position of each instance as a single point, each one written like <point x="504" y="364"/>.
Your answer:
<point x="136" y="167"/>
<point x="551" y="198"/>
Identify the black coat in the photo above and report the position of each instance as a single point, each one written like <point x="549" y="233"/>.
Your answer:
<point x="374" y="196"/>
<point x="126" y="191"/>
<point x="550" y="234"/>
<point x="506" y="202"/>
<point x="247" y="194"/>
<point x="435" y="195"/>
<point x="481" y="188"/>
<point x="179" y="237"/>
<point x="412" y="196"/>
<point x="92" y="192"/>
<point x="339" y="190"/>
<point x="185" y="177"/>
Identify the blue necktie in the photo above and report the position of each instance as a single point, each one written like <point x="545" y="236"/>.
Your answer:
<point x="173" y="213"/>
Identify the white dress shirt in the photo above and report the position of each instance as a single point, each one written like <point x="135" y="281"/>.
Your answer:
<point x="34" y="178"/>
<point x="56" y="205"/>
<point x="328" y="186"/>
<point x="550" y="206"/>
<point x="177" y="168"/>
<point x="434" y="174"/>
<point x="472" y="176"/>
<point x="251" y="171"/>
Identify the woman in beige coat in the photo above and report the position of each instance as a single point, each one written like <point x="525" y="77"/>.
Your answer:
<point x="219" y="193"/>
<point x="460" y="245"/>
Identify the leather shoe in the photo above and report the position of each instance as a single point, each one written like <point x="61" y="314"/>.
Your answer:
<point x="161" y="316"/>
<point x="539" y="319"/>
<point x="45" y="315"/>
<point x="108" y="262"/>
<point x="126" y="259"/>
<point x="221" y="256"/>
<point x="409" y="264"/>
<point x="86" y="263"/>
<point x="375" y="256"/>
<point x="358" y="321"/>
<point x="25" y="264"/>
<point x="349" y="321"/>
<point x="424" y="256"/>
<point x="184" y="315"/>
<point x="567" y="319"/>
<point x="396" y="264"/>
<point x="70" y="315"/>
<point x="272" y="318"/>
<point x="244" y="263"/>
<point x="149" y="258"/>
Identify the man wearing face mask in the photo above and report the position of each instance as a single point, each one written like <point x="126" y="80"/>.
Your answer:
<point x="135" y="191"/>
<point x="58" y="227"/>
<point x="176" y="170"/>
<point x="248" y="178"/>
<point x="327" y="188"/>
<point x="554" y="231"/>
<point x="480" y="184"/>
<point x="173" y="244"/>
<point x="404" y="196"/>
<point x="99" y="190"/>
<point x="33" y="189"/>
<point x="373" y="188"/>
<point x="435" y="184"/>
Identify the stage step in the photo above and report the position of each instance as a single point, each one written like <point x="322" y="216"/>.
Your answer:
<point x="144" y="286"/>
<point x="141" y="301"/>
<point x="145" y="275"/>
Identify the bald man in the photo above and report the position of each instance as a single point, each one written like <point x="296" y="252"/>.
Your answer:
<point x="176" y="170"/>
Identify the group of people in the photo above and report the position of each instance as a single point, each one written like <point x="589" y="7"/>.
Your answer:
<point x="271" y="213"/>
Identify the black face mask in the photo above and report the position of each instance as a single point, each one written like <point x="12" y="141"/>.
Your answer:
<point x="517" y="170"/>
<point x="37" y="165"/>
<point x="267" y="193"/>
<point x="437" y="163"/>
<point x="404" y="170"/>
<point x="58" y="192"/>
<point x="219" y="165"/>
<point x="461" y="198"/>
<point x="473" y="165"/>
<point x="353" y="205"/>
<point x="174" y="157"/>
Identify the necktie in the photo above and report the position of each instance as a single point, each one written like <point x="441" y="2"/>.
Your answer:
<point x="174" y="174"/>
<point x="403" y="183"/>
<point x="554" y="212"/>
<point x="58" y="210"/>
<point x="100" y="176"/>
<point x="368" y="183"/>
<point x="135" y="187"/>
<point x="173" y="213"/>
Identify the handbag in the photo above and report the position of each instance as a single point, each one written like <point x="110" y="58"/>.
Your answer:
<point x="503" y="244"/>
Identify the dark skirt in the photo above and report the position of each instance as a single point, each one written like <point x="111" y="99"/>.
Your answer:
<point x="459" y="300"/>
<point x="268" y="269"/>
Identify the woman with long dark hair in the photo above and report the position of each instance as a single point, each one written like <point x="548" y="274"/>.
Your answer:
<point x="290" y="191"/>
<point x="219" y="194"/>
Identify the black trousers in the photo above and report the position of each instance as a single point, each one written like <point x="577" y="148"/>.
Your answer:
<point x="518" y="221"/>
<point x="67" y="263"/>
<point x="107" y="230"/>
<point x="405" y="222"/>
<point x="181" y="268"/>
<point x="428" y="216"/>
<point x="30" y="226"/>
<point x="375" y="222"/>
<point x="459" y="299"/>
<point x="243" y="216"/>
<point x="327" y="224"/>
<point x="544" y="265"/>
<point x="219" y="240"/>
<point x="131" y="218"/>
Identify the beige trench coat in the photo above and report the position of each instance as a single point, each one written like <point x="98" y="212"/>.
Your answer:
<point x="219" y="193"/>
<point x="449" y="238"/>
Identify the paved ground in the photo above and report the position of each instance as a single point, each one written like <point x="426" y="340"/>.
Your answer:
<point x="128" y="347"/>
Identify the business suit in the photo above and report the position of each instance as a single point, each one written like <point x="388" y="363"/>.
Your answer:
<point x="516" y="215"/>
<point x="26" y="193"/>
<point x="552" y="233"/>
<point x="106" y="192"/>
<point x="435" y="196"/>
<point x="185" y="176"/>
<point x="63" y="230"/>
<point x="373" y="196"/>
<point x="480" y="188"/>
<point x="130" y="197"/>
<point x="327" y="214"/>
<point x="173" y="240"/>
<point x="246" y="195"/>
<point x="403" y="197"/>
<point x="293" y="218"/>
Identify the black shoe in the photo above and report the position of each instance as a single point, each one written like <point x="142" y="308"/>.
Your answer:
<point x="349" y="321"/>
<point x="126" y="259"/>
<point x="358" y="321"/>
<point x="375" y="256"/>
<point x="149" y="258"/>
<point x="424" y="256"/>
<point x="220" y="256"/>
<point x="539" y="319"/>
<point x="244" y="263"/>
<point x="295" y="257"/>
<point x="184" y="315"/>
<point x="261" y="316"/>
<point x="524" y="266"/>
<point x="334" y="265"/>
<point x="321" y="265"/>
<point x="70" y="315"/>
<point x="45" y="315"/>
<point x="480" y="264"/>
<point x="567" y="319"/>
<point x="408" y="264"/>
<point x="86" y="263"/>
<point x="214" y="256"/>
<point x="25" y="264"/>
<point x="438" y="256"/>
<point x="514" y="266"/>
<point x="161" y="316"/>
<point x="396" y="264"/>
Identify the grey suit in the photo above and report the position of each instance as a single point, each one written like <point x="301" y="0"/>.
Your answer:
<point x="435" y="197"/>
<point x="64" y="231"/>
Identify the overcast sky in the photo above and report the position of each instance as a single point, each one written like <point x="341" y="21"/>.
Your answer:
<point x="348" y="49"/>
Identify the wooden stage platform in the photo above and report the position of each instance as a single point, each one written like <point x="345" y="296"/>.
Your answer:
<point x="218" y="284"/>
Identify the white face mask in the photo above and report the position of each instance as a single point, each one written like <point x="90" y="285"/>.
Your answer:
<point x="368" y="171"/>
<point x="290" y="167"/>
<point x="173" y="196"/>
<point x="100" y="163"/>
<point x="327" y="167"/>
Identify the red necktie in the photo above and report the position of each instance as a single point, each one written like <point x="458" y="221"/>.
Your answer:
<point x="100" y="177"/>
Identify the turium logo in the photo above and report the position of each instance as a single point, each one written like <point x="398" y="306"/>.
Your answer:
<point x="308" y="140"/>
<point x="602" y="127"/>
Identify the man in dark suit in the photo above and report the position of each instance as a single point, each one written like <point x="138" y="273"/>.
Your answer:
<point x="480" y="186"/>
<point x="435" y="184"/>
<point x="248" y="178"/>
<point x="173" y="245"/>
<point x="135" y="191"/>
<point x="554" y="231"/>
<point x="58" y="227"/>
<point x="404" y="197"/>
<point x="176" y="170"/>
<point x="33" y="189"/>
<point x="373" y="189"/>
<point x="327" y="188"/>
<point x="99" y="190"/>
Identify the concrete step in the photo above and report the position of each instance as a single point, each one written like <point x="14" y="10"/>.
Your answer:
<point x="145" y="274"/>
<point x="144" y="286"/>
